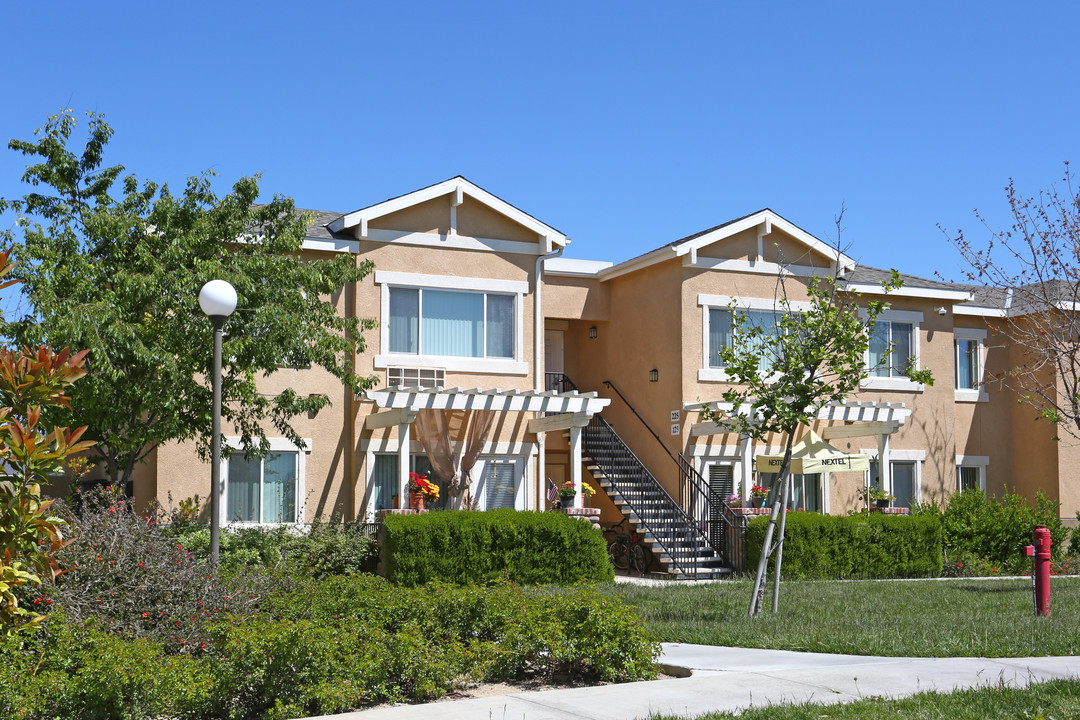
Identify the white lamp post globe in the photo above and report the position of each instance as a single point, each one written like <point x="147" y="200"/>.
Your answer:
<point x="217" y="298"/>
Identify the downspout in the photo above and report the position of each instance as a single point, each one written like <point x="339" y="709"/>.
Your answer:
<point x="538" y="356"/>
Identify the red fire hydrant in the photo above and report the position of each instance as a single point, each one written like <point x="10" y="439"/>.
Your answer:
<point x="1042" y="571"/>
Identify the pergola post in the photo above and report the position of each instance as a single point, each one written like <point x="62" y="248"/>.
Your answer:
<point x="884" y="465"/>
<point x="404" y="432"/>
<point x="575" y="463"/>
<point x="747" y="452"/>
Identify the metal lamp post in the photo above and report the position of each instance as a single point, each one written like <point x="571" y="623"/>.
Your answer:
<point x="218" y="300"/>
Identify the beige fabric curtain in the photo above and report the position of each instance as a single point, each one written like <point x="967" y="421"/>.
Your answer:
<point x="454" y="461"/>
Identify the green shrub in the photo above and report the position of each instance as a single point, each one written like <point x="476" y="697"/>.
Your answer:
<point x="870" y="546"/>
<point x="531" y="548"/>
<point x="997" y="530"/>
<point x="324" y="549"/>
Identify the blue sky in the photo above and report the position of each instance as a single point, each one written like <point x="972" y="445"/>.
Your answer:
<point x="625" y="125"/>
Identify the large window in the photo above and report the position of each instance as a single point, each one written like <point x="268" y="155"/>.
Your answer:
<point x="452" y="323"/>
<point x="262" y="490"/>
<point x="386" y="484"/>
<point x="721" y="335"/>
<point x="897" y="337"/>
<point x="498" y="484"/>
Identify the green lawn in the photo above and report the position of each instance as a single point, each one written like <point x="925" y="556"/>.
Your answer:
<point x="1055" y="700"/>
<point x="924" y="618"/>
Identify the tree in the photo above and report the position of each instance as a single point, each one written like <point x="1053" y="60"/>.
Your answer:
<point x="1033" y="271"/>
<point x="120" y="276"/>
<point x="813" y="358"/>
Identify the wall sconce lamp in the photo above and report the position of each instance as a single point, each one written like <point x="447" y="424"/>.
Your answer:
<point x="592" y="333"/>
<point x="654" y="375"/>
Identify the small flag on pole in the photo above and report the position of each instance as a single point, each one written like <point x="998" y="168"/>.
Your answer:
<point x="553" y="492"/>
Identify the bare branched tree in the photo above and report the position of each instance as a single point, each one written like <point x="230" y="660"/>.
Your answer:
<point x="1032" y="271"/>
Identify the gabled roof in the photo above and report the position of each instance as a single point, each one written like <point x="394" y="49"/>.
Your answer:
<point x="866" y="279"/>
<point x="356" y="222"/>
<point x="691" y="244"/>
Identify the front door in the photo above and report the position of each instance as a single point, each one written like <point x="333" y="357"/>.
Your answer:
<point x="553" y="355"/>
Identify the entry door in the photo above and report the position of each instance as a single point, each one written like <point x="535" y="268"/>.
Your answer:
<point x="553" y="354"/>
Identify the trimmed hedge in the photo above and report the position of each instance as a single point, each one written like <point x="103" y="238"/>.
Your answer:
<point x="530" y="548"/>
<point x="864" y="546"/>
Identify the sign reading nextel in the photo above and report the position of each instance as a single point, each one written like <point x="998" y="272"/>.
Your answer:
<point x="776" y="462"/>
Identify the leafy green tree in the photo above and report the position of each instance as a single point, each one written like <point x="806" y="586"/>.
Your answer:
<point x="814" y="357"/>
<point x="114" y="265"/>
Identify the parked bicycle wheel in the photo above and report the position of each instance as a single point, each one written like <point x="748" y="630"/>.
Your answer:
<point x="619" y="552"/>
<point x="640" y="558"/>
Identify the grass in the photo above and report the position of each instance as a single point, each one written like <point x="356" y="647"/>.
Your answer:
<point x="1054" y="700"/>
<point x="922" y="618"/>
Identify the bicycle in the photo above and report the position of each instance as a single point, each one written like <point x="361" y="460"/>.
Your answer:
<point x="627" y="550"/>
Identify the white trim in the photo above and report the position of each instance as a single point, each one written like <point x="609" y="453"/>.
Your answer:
<point x="759" y="267"/>
<point x="521" y="472"/>
<point x="977" y="394"/>
<point x="901" y="316"/>
<point x="907" y="291"/>
<point x="918" y="457"/>
<point x="331" y="245"/>
<point x="451" y="282"/>
<point x="980" y="460"/>
<point x="490" y="366"/>
<point x="453" y="241"/>
<point x="570" y="267"/>
<point x="459" y="186"/>
<point x="477" y="399"/>
<point x="963" y="333"/>
<point x="894" y="454"/>
<point x="978" y="310"/>
<point x="723" y="302"/>
<point x="716" y="451"/>
<point x="898" y="384"/>
<point x="276" y="445"/>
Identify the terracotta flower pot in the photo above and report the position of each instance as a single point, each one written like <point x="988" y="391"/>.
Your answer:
<point x="416" y="500"/>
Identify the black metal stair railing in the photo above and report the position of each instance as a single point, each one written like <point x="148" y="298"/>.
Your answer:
<point x="673" y="531"/>
<point x="723" y="528"/>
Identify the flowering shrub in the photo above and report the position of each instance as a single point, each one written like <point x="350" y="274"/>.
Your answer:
<point x="420" y="484"/>
<point x="734" y="500"/>
<point x="127" y="573"/>
<point x="759" y="493"/>
<point x="567" y="491"/>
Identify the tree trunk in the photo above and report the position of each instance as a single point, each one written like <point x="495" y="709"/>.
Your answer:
<point x="779" y="505"/>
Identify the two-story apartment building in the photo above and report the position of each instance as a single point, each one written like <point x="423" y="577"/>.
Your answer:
<point x="504" y="367"/>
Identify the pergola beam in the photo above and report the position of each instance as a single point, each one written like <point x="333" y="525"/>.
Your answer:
<point x="388" y="418"/>
<point x="865" y="429"/>
<point x="563" y="421"/>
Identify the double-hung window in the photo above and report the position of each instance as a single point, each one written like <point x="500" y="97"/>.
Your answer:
<point x="893" y="350"/>
<point x="719" y="332"/>
<point x="971" y="472"/>
<point x="464" y="324"/>
<point x="970" y="347"/>
<point x="905" y="469"/>
<point x="267" y="489"/>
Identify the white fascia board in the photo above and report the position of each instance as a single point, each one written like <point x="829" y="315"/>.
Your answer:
<point x="331" y="245"/>
<point x="978" y="310"/>
<point x="769" y="218"/>
<point x="450" y="282"/>
<point x="457" y="186"/>
<point x="570" y="267"/>
<point x="759" y="267"/>
<point x="656" y="256"/>
<point x="980" y="460"/>
<point x="822" y="247"/>
<point x="745" y="303"/>
<point x="908" y="291"/>
<point x="454" y="242"/>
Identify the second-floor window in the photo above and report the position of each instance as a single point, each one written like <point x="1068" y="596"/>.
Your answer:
<point x="897" y="336"/>
<point x="721" y="335"/>
<point x="453" y="323"/>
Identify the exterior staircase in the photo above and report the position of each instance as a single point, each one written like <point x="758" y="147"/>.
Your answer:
<point x="680" y="545"/>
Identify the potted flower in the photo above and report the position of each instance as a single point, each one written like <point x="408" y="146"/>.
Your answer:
<point x="567" y="492"/>
<point x="878" y="496"/>
<point x="758" y="494"/>
<point x="420" y="489"/>
<point x="733" y="500"/>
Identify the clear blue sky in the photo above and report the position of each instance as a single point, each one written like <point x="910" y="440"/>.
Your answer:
<point x="625" y="125"/>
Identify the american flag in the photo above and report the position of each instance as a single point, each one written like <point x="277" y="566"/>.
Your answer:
<point x="553" y="492"/>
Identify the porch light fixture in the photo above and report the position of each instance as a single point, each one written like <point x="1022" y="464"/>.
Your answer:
<point x="592" y="332"/>
<point x="218" y="300"/>
<point x="654" y="375"/>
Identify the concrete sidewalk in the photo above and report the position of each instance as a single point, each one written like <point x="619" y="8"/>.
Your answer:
<point x="723" y="678"/>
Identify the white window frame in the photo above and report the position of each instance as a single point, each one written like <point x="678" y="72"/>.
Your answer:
<point x="480" y="470"/>
<point x="979" y="462"/>
<point x="978" y="394"/>
<point x="497" y="366"/>
<point x="276" y="445"/>
<point x="915" y="319"/>
<point x="916" y="456"/>
<point x="724" y="302"/>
